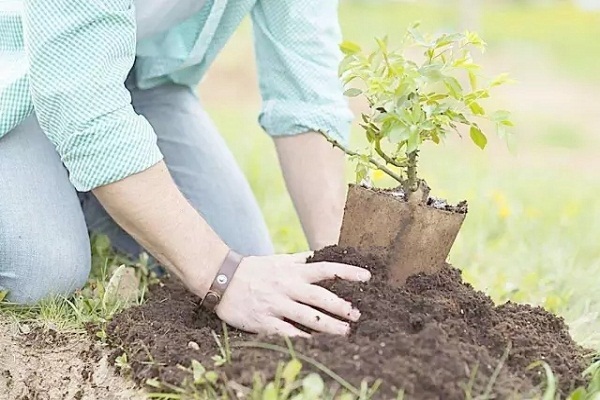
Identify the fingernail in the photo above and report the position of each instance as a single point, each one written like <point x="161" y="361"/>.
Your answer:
<point x="346" y="330"/>
<point x="364" y="275"/>
<point x="354" y="314"/>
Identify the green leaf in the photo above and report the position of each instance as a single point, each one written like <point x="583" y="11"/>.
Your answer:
<point x="361" y="173"/>
<point x="382" y="117"/>
<point x="416" y="114"/>
<point x="398" y="133"/>
<point x="458" y="117"/>
<point x="371" y="135"/>
<point x="270" y="392"/>
<point x="427" y="125"/>
<point x="551" y="383"/>
<point x="153" y="383"/>
<point x="453" y="86"/>
<point x="349" y="48"/>
<point x="433" y="72"/>
<point x="446" y="40"/>
<point x="475" y="40"/>
<point x="414" y="140"/>
<point x="435" y="137"/>
<point x="212" y="377"/>
<point x="501" y="116"/>
<point x="3" y="294"/>
<point x="478" y="137"/>
<point x="507" y="136"/>
<point x="382" y="43"/>
<point x="313" y="386"/>
<point x="437" y="96"/>
<point x="592" y="369"/>
<point x="344" y="65"/>
<point x="346" y="396"/>
<point x="291" y="371"/>
<point x="352" y="92"/>
<point x="349" y="78"/>
<point x="430" y="53"/>
<point x="415" y="25"/>
<point x="198" y="371"/>
<point x="579" y="394"/>
<point x="500" y="80"/>
<point x="417" y="36"/>
<point x="473" y="80"/>
<point x="101" y="245"/>
<point x="477" y="95"/>
<point x="476" y="108"/>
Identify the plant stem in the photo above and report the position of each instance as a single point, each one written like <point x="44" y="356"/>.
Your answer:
<point x="411" y="171"/>
<point x="371" y="159"/>
<point x="386" y="157"/>
<point x="411" y="184"/>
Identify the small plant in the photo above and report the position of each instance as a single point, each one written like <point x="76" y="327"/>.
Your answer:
<point x="224" y="356"/>
<point x="415" y="101"/>
<point x="122" y="363"/>
<point x="412" y="101"/>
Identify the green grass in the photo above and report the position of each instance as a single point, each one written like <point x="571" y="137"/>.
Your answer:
<point x="563" y="32"/>
<point x="557" y="35"/>
<point x="94" y="304"/>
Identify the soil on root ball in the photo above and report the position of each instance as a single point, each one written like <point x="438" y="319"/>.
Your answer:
<point x="435" y="338"/>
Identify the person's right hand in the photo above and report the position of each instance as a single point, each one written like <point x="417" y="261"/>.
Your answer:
<point x="266" y="290"/>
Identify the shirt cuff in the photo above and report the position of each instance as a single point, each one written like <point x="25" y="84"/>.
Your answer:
<point x="112" y="148"/>
<point x="288" y="118"/>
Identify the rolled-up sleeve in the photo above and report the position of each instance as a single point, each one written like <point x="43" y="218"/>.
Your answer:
<point x="297" y="49"/>
<point x="79" y="55"/>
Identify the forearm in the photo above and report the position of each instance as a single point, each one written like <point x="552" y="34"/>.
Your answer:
<point x="314" y="175"/>
<point x="149" y="206"/>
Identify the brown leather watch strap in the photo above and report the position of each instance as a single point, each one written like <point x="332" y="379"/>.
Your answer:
<point x="221" y="281"/>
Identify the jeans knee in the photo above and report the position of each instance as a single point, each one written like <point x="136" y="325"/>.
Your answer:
<point x="49" y="269"/>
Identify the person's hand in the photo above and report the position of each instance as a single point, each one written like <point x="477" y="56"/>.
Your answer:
<point x="266" y="290"/>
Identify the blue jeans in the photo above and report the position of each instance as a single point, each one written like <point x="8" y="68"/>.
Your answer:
<point x="45" y="223"/>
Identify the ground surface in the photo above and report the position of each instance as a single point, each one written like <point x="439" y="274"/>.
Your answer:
<point x="39" y="364"/>
<point x="436" y="338"/>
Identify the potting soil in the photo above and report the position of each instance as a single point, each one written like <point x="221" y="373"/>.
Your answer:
<point x="435" y="338"/>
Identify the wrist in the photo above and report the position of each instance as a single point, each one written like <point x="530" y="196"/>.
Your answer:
<point x="153" y="211"/>
<point x="323" y="229"/>
<point x="322" y="241"/>
<point x="198" y="275"/>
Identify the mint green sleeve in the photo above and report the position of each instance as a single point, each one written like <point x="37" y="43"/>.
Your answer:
<point x="79" y="55"/>
<point x="297" y="50"/>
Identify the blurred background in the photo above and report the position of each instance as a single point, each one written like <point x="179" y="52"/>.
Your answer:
<point x="533" y="230"/>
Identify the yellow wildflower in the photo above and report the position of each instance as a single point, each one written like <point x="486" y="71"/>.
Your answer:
<point x="502" y="203"/>
<point x="378" y="175"/>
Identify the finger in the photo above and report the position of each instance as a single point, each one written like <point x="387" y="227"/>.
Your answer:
<point x="314" y="319"/>
<point x="328" y="270"/>
<point x="275" y="326"/>
<point x="322" y="298"/>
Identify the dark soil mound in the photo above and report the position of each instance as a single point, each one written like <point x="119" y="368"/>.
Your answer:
<point x="436" y="338"/>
